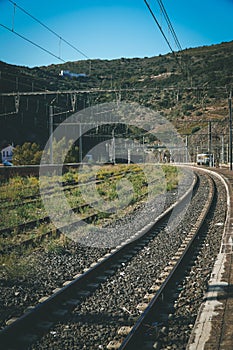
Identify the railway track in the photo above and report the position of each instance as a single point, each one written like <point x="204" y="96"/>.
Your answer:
<point x="158" y="306"/>
<point x="67" y="186"/>
<point x="50" y="232"/>
<point x="75" y="297"/>
<point x="168" y="317"/>
<point x="74" y="292"/>
<point x="29" y="225"/>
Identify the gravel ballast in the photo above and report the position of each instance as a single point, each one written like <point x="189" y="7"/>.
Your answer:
<point x="96" y="321"/>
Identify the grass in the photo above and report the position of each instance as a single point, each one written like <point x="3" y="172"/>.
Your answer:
<point x="172" y="175"/>
<point x="18" y="187"/>
<point x="20" y="264"/>
<point x="130" y="185"/>
<point x="110" y="189"/>
<point x="57" y="245"/>
<point x="21" y="213"/>
<point x="17" y="265"/>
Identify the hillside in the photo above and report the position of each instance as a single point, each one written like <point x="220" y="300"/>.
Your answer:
<point x="189" y="89"/>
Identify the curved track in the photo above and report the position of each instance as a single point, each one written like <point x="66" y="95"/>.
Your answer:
<point x="167" y="282"/>
<point x="72" y="303"/>
<point x="75" y="291"/>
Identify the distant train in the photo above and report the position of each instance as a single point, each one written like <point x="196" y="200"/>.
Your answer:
<point x="204" y="158"/>
<point x="68" y="74"/>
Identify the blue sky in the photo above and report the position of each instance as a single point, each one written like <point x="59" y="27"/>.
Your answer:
<point x="109" y="29"/>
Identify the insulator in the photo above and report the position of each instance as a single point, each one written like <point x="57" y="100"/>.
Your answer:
<point x="17" y="103"/>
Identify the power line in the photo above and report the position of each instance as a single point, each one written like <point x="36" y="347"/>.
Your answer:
<point x="170" y="26"/>
<point x="34" y="79"/>
<point x="32" y="42"/>
<point x="46" y="27"/>
<point x="164" y="35"/>
<point x="97" y="90"/>
<point x="159" y="26"/>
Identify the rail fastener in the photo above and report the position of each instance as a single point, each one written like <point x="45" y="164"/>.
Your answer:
<point x="148" y="297"/>
<point x="113" y="345"/>
<point x="154" y="288"/>
<point x="142" y="306"/>
<point x="124" y="330"/>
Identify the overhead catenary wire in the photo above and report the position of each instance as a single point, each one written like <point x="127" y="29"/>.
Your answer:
<point x="184" y="67"/>
<point x="159" y="26"/>
<point x="164" y="35"/>
<point x="32" y="42"/>
<point x="61" y="39"/>
<point x="170" y="26"/>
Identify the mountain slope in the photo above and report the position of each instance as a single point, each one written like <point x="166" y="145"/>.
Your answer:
<point x="188" y="88"/>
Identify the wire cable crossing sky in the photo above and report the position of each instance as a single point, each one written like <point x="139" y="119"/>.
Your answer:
<point x="159" y="26"/>
<point x="170" y="26"/>
<point x="163" y="10"/>
<point x="46" y="27"/>
<point x="32" y="42"/>
<point x="103" y="29"/>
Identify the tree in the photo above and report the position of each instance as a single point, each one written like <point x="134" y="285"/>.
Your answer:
<point x="64" y="151"/>
<point x="27" y="154"/>
<point x="72" y="155"/>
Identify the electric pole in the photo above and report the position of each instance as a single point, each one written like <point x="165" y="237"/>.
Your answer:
<point x="51" y="134"/>
<point x="230" y="129"/>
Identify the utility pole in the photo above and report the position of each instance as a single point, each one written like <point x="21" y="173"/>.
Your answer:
<point x="113" y="147"/>
<point x="210" y="143"/>
<point x="80" y="143"/>
<point x="230" y="129"/>
<point x="51" y="134"/>
<point x="222" y="152"/>
<point x="186" y="149"/>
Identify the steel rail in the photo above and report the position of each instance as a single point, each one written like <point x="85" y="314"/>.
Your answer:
<point x="10" y="335"/>
<point x="135" y="336"/>
<point x="67" y="185"/>
<point x="46" y="219"/>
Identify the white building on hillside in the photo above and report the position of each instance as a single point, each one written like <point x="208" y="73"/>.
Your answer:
<point x="7" y="153"/>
